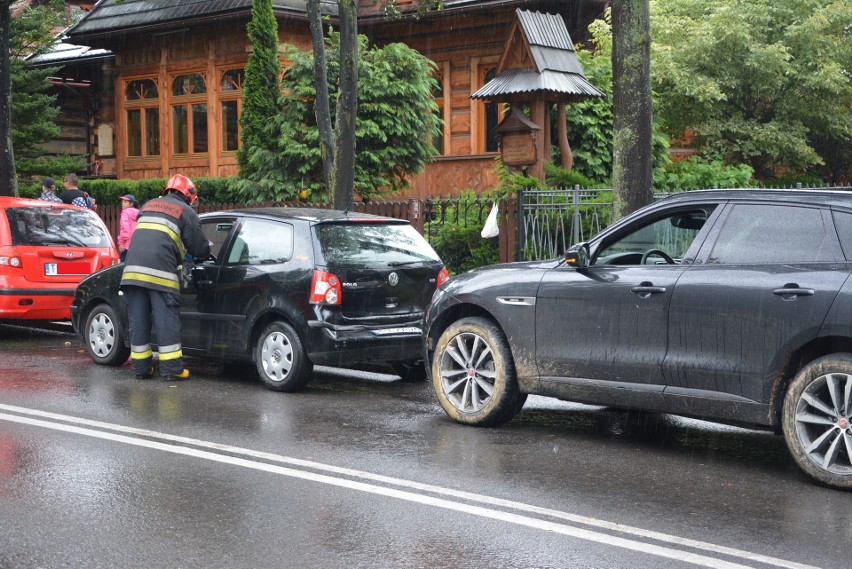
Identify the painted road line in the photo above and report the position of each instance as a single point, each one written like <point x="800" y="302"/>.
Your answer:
<point x="440" y="501"/>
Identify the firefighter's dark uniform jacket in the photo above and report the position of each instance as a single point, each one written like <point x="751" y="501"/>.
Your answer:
<point x="166" y="229"/>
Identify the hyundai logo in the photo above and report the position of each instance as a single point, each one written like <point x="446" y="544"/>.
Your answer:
<point x="69" y="255"/>
<point x="393" y="279"/>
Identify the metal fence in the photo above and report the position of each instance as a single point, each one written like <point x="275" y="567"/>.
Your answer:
<point x="550" y="220"/>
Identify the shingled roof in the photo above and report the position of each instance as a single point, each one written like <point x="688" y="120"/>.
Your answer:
<point x="112" y="16"/>
<point x="548" y="65"/>
<point x="116" y="16"/>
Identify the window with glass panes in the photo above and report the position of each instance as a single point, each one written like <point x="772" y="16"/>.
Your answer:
<point x="230" y="96"/>
<point x="189" y="114"/>
<point x="142" y="108"/>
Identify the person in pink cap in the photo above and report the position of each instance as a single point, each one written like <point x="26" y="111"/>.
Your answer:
<point x="127" y="223"/>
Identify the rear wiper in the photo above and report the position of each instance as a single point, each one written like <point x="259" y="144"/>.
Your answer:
<point x="403" y="263"/>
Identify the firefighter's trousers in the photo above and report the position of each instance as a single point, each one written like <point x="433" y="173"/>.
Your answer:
<point x="163" y="308"/>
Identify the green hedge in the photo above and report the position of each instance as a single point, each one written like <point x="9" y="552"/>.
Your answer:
<point x="108" y="191"/>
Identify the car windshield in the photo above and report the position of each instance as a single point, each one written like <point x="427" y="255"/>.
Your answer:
<point x="359" y="244"/>
<point x="56" y="226"/>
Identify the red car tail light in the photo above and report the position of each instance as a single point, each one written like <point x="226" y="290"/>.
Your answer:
<point x="9" y="258"/>
<point x="326" y="289"/>
<point x="443" y="276"/>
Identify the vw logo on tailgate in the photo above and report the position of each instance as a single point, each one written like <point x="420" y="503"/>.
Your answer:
<point x="393" y="279"/>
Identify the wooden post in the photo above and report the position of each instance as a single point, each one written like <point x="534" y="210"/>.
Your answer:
<point x="537" y="110"/>
<point x="565" y="155"/>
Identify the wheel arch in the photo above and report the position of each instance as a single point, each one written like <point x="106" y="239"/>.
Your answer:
<point x="450" y="315"/>
<point x="118" y="307"/>
<point x="295" y="320"/>
<point x="813" y="350"/>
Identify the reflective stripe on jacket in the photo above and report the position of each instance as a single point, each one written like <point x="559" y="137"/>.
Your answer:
<point x="166" y="229"/>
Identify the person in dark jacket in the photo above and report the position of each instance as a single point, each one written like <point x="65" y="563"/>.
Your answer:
<point x="167" y="228"/>
<point x="72" y="192"/>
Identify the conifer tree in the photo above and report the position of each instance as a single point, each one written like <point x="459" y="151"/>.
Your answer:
<point x="262" y="89"/>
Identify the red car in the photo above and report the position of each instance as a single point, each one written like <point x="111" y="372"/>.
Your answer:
<point x="46" y="248"/>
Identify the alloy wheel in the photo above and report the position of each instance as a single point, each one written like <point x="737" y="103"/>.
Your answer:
<point x="824" y="422"/>
<point x="468" y="372"/>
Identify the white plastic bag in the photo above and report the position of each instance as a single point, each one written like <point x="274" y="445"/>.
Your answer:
<point x="491" y="228"/>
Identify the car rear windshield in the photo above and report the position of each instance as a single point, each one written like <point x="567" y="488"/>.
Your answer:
<point x="56" y="226"/>
<point x="365" y="244"/>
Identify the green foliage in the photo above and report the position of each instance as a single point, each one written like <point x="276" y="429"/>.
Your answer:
<point x="557" y="177"/>
<point x="590" y="121"/>
<point x="108" y="192"/>
<point x="262" y="88"/>
<point x="396" y="123"/>
<point x="698" y="173"/>
<point x="48" y="165"/>
<point x="454" y="232"/>
<point x="33" y="110"/>
<point x="760" y="82"/>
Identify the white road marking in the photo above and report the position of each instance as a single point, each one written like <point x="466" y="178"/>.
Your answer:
<point x="441" y="502"/>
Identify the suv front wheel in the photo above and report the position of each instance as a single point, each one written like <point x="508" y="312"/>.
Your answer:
<point x="473" y="374"/>
<point x="281" y="360"/>
<point x="817" y="420"/>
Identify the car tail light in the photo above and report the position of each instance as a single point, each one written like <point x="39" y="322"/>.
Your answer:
<point x="10" y="260"/>
<point x="443" y="276"/>
<point x="326" y="289"/>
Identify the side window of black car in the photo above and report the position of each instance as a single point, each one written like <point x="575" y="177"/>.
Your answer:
<point x="216" y="232"/>
<point x="262" y="242"/>
<point x="672" y="235"/>
<point x="762" y="234"/>
<point x="843" y="223"/>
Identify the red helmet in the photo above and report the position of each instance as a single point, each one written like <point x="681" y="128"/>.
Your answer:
<point x="184" y="185"/>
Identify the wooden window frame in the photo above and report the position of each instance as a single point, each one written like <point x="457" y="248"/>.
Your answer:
<point x="188" y="101"/>
<point x="145" y="106"/>
<point x="444" y="103"/>
<point x="228" y="96"/>
<point x="479" y="68"/>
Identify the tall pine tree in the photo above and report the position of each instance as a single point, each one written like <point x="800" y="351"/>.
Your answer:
<point x="262" y="89"/>
<point x="8" y="179"/>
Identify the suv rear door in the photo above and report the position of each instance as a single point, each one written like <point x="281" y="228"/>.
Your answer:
<point x="761" y="286"/>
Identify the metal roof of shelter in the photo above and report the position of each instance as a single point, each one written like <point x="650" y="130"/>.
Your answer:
<point x="548" y="66"/>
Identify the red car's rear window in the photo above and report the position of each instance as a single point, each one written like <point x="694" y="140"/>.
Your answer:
<point x="48" y="226"/>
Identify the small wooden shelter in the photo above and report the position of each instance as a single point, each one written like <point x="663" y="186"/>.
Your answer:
<point x="539" y="67"/>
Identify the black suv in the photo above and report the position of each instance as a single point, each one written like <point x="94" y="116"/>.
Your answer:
<point x="728" y="305"/>
<point x="287" y="288"/>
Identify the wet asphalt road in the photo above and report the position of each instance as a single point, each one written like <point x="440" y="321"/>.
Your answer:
<point x="365" y="471"/>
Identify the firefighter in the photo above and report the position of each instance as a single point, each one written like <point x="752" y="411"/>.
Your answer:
<point x="166" y="230"/>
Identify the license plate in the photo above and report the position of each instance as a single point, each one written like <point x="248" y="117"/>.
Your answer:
<point x="56" y="269"/>
<point x="390" y="331"/>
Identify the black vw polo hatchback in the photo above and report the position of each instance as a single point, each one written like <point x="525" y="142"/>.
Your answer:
<point x="734" y="306"/>
<point x="287" y="288"/>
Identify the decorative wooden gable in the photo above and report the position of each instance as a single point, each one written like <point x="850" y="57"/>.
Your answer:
<point x="516" y="54"/>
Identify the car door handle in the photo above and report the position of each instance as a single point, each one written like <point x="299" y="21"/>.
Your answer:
<point x="791" y="291"/>
<point x="204" y="283"/>
<point x="645" y="290"/>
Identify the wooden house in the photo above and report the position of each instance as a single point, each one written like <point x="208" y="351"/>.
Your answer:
<point x="157" y="87"/>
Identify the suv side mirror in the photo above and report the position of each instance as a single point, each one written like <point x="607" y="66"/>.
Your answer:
<point x="577" y="256"/>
